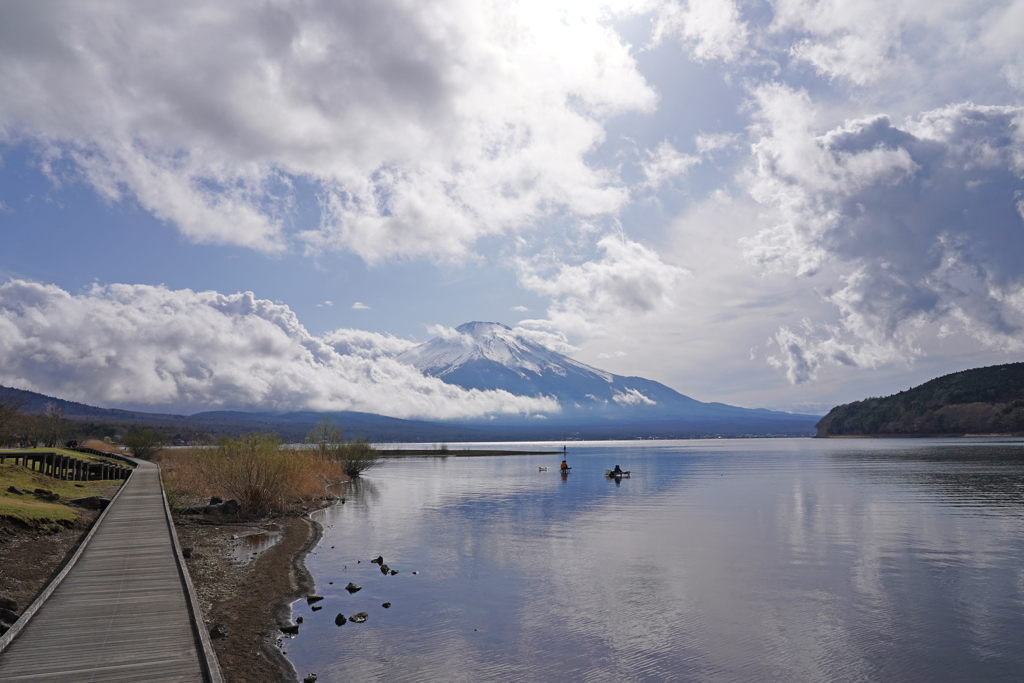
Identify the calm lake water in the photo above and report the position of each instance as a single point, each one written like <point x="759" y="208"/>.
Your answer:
<point x="727" y="560"/>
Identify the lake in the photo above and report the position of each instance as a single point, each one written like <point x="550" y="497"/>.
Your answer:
<point x="724" y="560"/>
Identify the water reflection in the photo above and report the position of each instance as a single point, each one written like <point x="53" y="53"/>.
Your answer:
<point x="246" y="548"/>
<point x="975" y="476"/>
<point x="767" y="560"/>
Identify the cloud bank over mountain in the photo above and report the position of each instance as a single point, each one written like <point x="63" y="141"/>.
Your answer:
<point x="136" y="345"/>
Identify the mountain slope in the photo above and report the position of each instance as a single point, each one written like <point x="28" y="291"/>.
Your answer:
<point x="492" y="356"/>
<point x="986" y="400"/>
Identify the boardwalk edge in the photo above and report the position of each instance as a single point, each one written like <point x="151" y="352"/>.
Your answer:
<point x="208" y="657"/>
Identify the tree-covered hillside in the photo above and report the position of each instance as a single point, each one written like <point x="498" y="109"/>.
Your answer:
<point x="980" y="401"/>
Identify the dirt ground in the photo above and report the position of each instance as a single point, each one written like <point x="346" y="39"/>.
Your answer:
<point x="31" y="557"/>
<point x="251" y="600"/>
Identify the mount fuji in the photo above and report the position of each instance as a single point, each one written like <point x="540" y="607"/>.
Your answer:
<point x="484" y="355"/>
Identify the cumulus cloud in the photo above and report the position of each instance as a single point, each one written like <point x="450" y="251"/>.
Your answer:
<point x="628" y="279"/>
<point x="360" y="306"/>
<point x="923" y="221"/>
<point x="178" y="349"/>
<point x="420" y="126"/>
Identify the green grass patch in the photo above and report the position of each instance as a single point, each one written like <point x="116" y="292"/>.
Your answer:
<point x="32" y="511"/>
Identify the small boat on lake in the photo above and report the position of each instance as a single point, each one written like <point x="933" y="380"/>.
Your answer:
<point x="617" y="475"/>
<point x="542" y="469"/>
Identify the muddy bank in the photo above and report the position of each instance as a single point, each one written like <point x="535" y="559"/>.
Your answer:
<point x="250" y="594"/>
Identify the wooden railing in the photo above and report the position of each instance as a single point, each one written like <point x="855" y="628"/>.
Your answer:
<point x="66" y="468"/>
<point x="105" y="454"/>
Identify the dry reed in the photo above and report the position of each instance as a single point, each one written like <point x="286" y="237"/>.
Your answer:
<point x="256" y="470"/>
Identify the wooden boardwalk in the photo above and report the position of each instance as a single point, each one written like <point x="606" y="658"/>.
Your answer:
<point x="124" y="610"/>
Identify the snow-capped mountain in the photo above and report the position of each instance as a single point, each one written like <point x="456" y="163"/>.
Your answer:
<point x="486" y="355"/>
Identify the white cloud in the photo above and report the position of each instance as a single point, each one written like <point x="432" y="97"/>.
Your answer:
<point x="710" y="29"/>
<point x="628" y="279"/>
<point x="520" y="309"/>
<point x="421" y="126"/>
<point x="918" y="220"/>
<point x="545" y="336"/>
<point x="136" y="345"/>
<point x="665" y="163"/>
<point x="632" y="397"/>
<point x="874" y="42"/>
<point x="709" y="143"/>
<point x="360" y="306"/>
<point x="449" y="333"/>
<point x="349" y="342"/>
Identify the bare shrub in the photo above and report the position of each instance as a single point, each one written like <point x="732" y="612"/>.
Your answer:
<point x="144" y="442"/>
<point x="354" y="457"/>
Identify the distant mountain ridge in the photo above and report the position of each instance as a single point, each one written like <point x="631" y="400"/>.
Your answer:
<point x="987" y="400"/>
<point x="487" y="355"/>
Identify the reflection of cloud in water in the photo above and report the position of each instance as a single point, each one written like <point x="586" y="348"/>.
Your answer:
<point x="796" y="560"/>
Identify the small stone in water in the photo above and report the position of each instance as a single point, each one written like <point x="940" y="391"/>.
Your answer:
<point x="352" y="588"/>
<point x="386" y="605"/>
<point x="359" y="617"/>
<point x="340" y="620"/>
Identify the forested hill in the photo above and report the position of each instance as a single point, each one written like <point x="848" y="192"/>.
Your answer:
<point x="980" y="401"/>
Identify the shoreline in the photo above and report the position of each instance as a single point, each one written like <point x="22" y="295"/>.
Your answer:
<point x="251" y="600"/>
<point x="464" y="453"/>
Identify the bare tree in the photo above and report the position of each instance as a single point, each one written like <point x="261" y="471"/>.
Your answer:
<point x="53" y="425"/>
<point x="12" y="402"/>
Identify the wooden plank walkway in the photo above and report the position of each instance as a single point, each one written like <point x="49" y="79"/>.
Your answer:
<point x="124" y="611"/>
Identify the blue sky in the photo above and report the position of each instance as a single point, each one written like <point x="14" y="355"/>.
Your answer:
<point x="786" y="204"/>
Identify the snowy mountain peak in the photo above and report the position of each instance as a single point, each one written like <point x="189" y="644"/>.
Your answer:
<point x="478" y="341"/>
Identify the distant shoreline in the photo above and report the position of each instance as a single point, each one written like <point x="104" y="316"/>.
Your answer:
<point x="463" y="453"/>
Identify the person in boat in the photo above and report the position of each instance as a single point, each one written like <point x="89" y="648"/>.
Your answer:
<point x="617" y="470"/>
<point x="565" y="465"/>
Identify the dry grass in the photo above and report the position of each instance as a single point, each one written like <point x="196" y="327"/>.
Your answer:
<point x="257" y="471"/>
